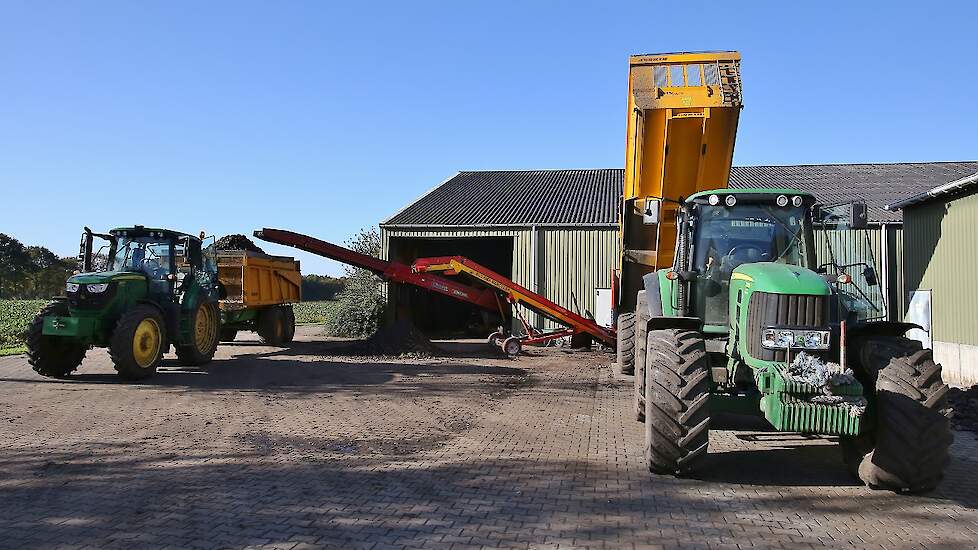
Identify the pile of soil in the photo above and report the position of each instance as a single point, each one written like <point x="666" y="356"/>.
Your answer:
<point x="395" y="340"/>
<point x="238" y="242"/>
<point x="965" y="405"/>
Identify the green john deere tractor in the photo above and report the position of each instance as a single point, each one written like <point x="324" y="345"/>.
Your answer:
<point x="746" y="322"/>
<point x="143" y="291"/>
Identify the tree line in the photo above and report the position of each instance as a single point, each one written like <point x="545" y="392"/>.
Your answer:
<point x="34" y="272"/>
<point x="31" y="272"/>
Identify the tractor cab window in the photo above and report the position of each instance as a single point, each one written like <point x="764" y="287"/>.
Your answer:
<point x="147" y="255"/>
<point x="727" y="237"/>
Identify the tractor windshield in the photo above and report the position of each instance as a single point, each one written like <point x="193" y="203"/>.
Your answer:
<point x="726" y="237"/>
<point x="149" y="255"/>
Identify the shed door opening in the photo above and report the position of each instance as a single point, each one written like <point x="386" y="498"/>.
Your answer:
<point x="440" y="316"/>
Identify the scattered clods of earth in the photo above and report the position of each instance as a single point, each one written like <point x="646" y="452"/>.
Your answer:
<point x="238" y="242"/>
<point x="965" y="405"/>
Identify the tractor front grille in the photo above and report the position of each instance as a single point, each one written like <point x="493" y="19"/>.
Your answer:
<point x="782" y="310"/>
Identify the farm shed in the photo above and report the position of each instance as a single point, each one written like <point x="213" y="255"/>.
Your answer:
<point x="940" y="261"/>
<point x="555" y="231"/>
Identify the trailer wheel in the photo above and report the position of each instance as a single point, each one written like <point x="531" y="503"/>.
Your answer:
<point x="677" y="394"/>
<point x="512" y="346"/>
<point x="52" y="356"/>
<point x="289" y="315"/>
<point x="626" y="343"/>
<point x="641" y="334"/>
<point x="908" y="449"/>
<point x="271" y="326"/>
<point x="138" y="342"/>
<point x="493" y="339"/>
<point x="204" y="324"/>
<point x="228" y="334"/>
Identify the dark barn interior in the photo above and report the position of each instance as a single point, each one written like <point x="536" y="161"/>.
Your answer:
<point x="440" y="316"/>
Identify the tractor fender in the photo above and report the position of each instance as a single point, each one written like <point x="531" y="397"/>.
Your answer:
<point x="682" y="323"/>
<point x="879" y="328"/>
<point x="653" y="297"/>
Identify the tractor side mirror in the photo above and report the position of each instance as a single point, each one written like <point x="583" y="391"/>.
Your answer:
<point x="651" y="214"/>
<point x="850" y="215"/>
<point x="870" y="275"/>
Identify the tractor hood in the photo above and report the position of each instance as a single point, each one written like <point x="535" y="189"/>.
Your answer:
<point x="781" y="279"/>
<point x="105" y="277"/>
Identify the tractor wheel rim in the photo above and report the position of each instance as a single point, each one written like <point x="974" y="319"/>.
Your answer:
<point x="146" y="342"/>
<point x="204" y="329"/>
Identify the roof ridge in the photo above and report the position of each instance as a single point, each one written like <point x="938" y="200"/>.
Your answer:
<point x="539" y="170"/>
<point x="857" y="164"/>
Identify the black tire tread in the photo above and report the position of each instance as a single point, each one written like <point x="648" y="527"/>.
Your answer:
<point x="626" y="343"/>
<point x="638" y="363"/>
<point x="909" y="447"/>
<point x="266" y="327"/>
<point x="52" y="363"/>
<point x="120" y="343"/>
<point x="189" y="355"/>
<point x="677" y="413"/>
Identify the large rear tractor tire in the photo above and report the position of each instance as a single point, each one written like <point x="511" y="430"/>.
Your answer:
<point x="677" y="397"/>
<point x="271" y="326"/>
<point x="205" y="330"/>
<point x="641" y="334"/>
<point x="138" y="342"/>
<point x="52" y="356"/>
<point x="626" y="343"/>
<point x="907" y="451"/>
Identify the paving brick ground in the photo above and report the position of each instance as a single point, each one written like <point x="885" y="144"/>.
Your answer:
<point x="290" y="449"/>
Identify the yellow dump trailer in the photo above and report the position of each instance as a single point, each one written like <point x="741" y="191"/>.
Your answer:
<point x="259" y="292"/>
<point x="683" y="110"/>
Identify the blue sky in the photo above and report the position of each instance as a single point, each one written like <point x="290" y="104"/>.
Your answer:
<point x="327" y="117"/>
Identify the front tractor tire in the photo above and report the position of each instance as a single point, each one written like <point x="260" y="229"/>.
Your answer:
<point x="908" y="449"/>
<point x="205" y="331"/>
<point x="138" y="342"/>
<point x="626" y="343"/>
<point x="52" y="356"/>
<point x="677" y="397"/>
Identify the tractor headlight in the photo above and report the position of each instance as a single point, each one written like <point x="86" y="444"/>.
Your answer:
<point x="97" y="288"/>
<point x="777" y="338"/>
<point x="71" y="287"/>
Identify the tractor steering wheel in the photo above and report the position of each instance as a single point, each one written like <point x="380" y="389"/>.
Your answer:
<point x="728" y="259"/>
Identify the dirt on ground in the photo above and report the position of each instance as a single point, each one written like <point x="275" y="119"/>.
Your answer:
<point x="398" y="339"/>
<point x="964" y="402"/>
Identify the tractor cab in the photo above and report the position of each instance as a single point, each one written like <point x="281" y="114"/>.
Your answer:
<point x="727" y="229"/>
<point x="165" y="258"/>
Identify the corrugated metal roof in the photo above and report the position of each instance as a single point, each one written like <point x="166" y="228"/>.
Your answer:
<point x="876" y="184"/>
<point x="591" y="196"/>
<point x="519" y="197"/>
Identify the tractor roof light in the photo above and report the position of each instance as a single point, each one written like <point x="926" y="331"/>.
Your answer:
<point x="782" y="200"/>
<point x="714" y="200"/>
<point x="796" y="200"/>
<point x="844" y="278"/>
<point x="672" y="275"/>
<point x="730" y="200"/>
